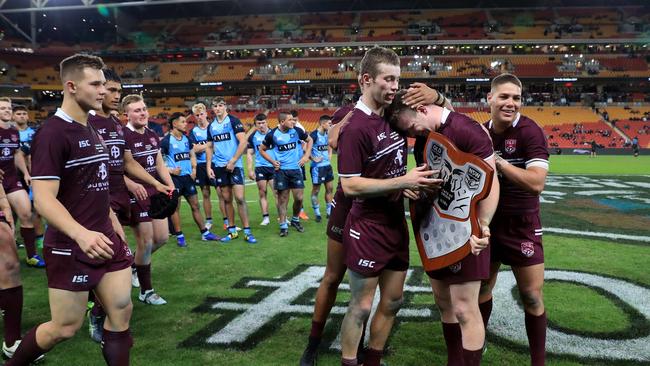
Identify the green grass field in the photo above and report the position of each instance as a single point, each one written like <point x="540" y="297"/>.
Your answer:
<point x="613" y="199"/>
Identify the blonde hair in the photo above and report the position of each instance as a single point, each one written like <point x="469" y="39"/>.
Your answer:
<point x="130" y="99"/>
<point x="5" y="99"/>
<point x="198" y="108"/>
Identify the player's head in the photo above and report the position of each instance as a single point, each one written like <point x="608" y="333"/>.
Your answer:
<point x="83" y="81"/>
<point x="504" y="98"/>
<point x="20" y="115"/>
<point x="325" y="122"/>
<point x="261" y="123"/>
<point x="379" y="73"/>
<point x="219" y="107"/>
<point x="113" y="90"/>
<point x="5" y="109"/>
<point x="177" y="122"/>
<point x="200" y="112"/>
<point x="294" y="114"/>
<point x="414" y="122"/>
<point x="286" y="121"/>
<point x="135" y="110"/>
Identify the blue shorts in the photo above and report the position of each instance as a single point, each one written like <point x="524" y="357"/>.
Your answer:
<point x="184" y="185"/>
<point x="202" y="179"/>
<point x="264" y="173"/>
<point x="224" y="178"/>
<point x="288" y="179"/>
<point x="320" y="175"/>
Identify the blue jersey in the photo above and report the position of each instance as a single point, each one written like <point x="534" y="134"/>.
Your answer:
<point x="254" y="142"/>
<point x="26" y="136"/>
<point x="177" y="153"/>
<point x="320" y="148"/>
<point x="287" y="146"/>
<point x="224" y="140"/>
<point x="199" y="136"/>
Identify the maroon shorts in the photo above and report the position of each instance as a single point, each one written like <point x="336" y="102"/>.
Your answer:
<point x="470" y="268"/>
<point x="140" y="208"/>
<point x="72" y="270"/>
<point x="341" y="206"/>
<point x="121" y="205"/>
<point x="516" y="240"/>
<point x="11" y="183"/>
<point x="371" y="247"/>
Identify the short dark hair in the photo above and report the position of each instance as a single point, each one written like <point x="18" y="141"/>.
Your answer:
<point x="504" y="79"/>
<point x="283" y="115"/>
<point x="373" y="57"/>
<point x="260" y="117"/>
<point x="294" y="113"/>
<point x="218" y="100"/>
<point x="77" y="63"/>
<point x="397" y="106"/>
<point x="19" y="107"/>
<point x="174" y="117"/>
<point x="324" y="118"/>
<point x="111" y="75"/>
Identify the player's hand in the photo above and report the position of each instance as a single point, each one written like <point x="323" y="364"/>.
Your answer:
<point x="138" y="191"/>
<point x="28" y="179"/>
<point x="317" y="159"/>
<point x="95" y="244"/>
<point x="478" y="244"/>
<point x="411" y="194"/>
<point x="164" y="189"/>
<point x="420" y="178"/>
<point x="175" y="171"/>
<point x="251" y="174"/>
<point x="302" y="162"/>
<point x="193" y="174"/>
<point x="419" y="94"/>
<point x="230" y="166"/>
<point x="210" y="173"/>
<point x="276" y="165"/>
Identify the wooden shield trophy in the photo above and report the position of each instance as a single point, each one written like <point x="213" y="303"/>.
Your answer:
<point x="443" y="227"/>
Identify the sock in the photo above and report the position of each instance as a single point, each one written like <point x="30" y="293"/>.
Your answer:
<point x="373" y="357"/>
<point x="486" y="311"/>
<point x="232" y="229"/>
<point x="179" y="234"/>
<point x="348" y="362"/>
<point x="454" y="342"/>
<point x="144" y="276"/>
<point x="204" y="231"/>
<point x="295" y="219"/>
<point x="316" y="329"/>
<point x="29" y="239"/>
<point x="247" y="230"/>
<point x="313" y="343"/>
<point x="284" y="225"/>
<point x="536" y="332"/>
<point x="328" y="210"/>
<point x="472" y="358"/>
<point x="116" y="347"/>
<point x="225" y="221"/>
<point x="11" y="303"/>
<point x="208" y="220"/>
<point x="28" y="350"/>
<point x="97" y="309"/>
<point x="265" y="216"/>
<point x="315" y="205"/>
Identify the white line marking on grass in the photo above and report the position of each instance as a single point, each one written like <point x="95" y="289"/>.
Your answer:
<point x="596" y="234"/>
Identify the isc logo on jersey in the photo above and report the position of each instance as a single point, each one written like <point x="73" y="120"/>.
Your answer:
<point x="366" y="263"/>
<point x="84" y="143"/>
<point x="80" y="279"/>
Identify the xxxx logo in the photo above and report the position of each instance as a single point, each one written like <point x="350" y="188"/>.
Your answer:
<point x="243" y="323"/>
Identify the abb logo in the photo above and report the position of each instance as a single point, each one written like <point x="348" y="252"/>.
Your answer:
<point x="366" y="263"/>
<point x="80" y="279"/>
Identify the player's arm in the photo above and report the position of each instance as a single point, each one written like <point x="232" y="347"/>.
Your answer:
<point x="193" y="162"/>
<point x="267" y="157"/>
<point x="309" y="142"/>
<point x="198" y="147"/>
<point x="241" y="148"/>
<point x="485" y="212"/>
<point x="334" y="131"/>
<point x="134" y="169"/>
<point x="420" y="94"/>
<point x="6" y="208"/>
<point x="416" y="179"/>
<point x="531" y="179"/>
<point x="94" y="244"/>
<point x="19" y="161"/>
<point x="208" y="157"/>
<point x="162" y="170"/>
<point x="250" y="156"/>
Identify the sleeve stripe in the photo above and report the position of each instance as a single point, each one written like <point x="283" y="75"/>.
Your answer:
<point x="349" y="175"/>
<point x="489" y="157"/>
<point x="46" y="177"/>
<point x="538" y="163"/>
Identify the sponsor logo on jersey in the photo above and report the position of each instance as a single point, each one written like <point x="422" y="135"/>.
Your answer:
<point x="221" y="137"/>
<point x="287" y="147"/>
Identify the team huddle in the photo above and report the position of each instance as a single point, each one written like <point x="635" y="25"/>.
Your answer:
<point x="90" y="176"/>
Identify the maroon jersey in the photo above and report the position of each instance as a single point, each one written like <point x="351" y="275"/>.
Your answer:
<point x="370" y="148"/>
<point x="522" y="145"/>
<point x="75" y="155"/>
<point x="110" y="130"/>
<point x="9" y="143"/>
<point x="144" y="147"/>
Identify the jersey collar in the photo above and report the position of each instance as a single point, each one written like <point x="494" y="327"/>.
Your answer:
<point x="64" y="116"/>
<point x="363" y="107"/>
